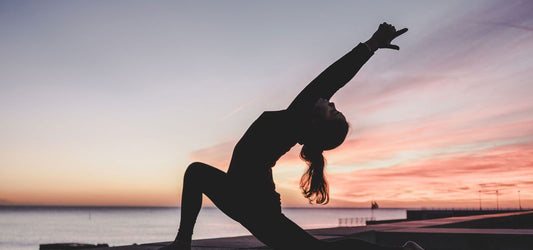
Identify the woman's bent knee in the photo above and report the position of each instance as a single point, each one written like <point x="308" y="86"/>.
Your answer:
<point x="195" y="168"/>
<point x="200" y="170"/>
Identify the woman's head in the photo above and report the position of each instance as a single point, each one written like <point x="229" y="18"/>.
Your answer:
<point x="329" y="129"/>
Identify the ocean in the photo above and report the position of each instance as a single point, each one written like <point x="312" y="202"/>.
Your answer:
<point x="27" y="227"/>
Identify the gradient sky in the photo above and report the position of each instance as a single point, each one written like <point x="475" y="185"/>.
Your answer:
<point x="107" y="102"/>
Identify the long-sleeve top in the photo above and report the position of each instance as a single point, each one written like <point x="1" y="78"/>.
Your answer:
<point x="274" y="133"/>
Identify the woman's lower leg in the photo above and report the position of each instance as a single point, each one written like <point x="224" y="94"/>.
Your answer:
<point x="201" y="179"/>
<point x="191" y="203"/>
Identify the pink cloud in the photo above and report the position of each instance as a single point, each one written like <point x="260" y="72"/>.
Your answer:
<point x="450" y="179"/>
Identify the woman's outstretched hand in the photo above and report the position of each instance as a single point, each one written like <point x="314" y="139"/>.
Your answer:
<point x="383" y="37"/>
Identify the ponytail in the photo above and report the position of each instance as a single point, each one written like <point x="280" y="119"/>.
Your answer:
<point x="313" y="182"/>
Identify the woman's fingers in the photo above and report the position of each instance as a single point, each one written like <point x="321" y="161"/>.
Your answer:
<point x="400" y="32"/>
<point x="385" y="34"/>
<point x="397" y="34"/>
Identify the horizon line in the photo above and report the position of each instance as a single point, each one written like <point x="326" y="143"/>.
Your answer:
<point x="289" y="207"/>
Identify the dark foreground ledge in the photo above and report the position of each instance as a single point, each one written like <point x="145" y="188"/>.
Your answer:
<point x="63" y="246"/>
<point x="476" y="232"/>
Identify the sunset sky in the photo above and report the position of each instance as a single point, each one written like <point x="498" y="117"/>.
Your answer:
<point x="107" y="102"/>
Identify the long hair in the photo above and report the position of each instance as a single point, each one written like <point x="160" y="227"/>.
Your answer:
<point x="313" y="182"/>
<point x="327" y="134"/>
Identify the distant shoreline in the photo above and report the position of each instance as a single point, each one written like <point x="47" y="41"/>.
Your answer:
<point x="150" y="207"/>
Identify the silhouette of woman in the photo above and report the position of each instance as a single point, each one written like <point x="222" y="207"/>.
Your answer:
<point x="246" y="193"/>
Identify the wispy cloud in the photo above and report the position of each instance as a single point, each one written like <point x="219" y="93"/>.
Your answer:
<point x="4" y="202"/>
<point x="218" y="155"/>
<point x="511" y="25"/>
<point x="235" y="111"/>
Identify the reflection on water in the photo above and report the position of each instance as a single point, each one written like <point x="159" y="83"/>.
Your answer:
<point x="27" y="227"/>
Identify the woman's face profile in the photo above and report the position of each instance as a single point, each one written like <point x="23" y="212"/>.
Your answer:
<point x="326" y="110"/>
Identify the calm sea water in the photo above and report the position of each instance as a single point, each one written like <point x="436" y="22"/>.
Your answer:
<point x="27" y="227"/>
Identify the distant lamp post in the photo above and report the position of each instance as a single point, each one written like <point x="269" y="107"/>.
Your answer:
<point x="519" y="201"/>
<point x="479" y="199"/>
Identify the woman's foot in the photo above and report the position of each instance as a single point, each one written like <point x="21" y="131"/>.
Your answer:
<point x="177" y="245"/>
<point x="410" y="245"/>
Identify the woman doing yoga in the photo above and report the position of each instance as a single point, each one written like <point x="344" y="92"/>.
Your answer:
<point x="246" y="193"/>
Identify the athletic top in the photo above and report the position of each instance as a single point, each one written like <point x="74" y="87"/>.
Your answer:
<point x="276" y="132"/>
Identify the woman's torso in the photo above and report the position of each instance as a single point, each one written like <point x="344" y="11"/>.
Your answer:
<point x="269" y="137"/>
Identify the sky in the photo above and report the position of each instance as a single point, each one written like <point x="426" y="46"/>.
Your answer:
<point x="106" y="103"/>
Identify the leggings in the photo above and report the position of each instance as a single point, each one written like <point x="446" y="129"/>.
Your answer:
<point x="264" y="221"/>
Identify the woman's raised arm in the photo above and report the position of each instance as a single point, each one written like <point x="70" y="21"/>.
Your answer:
<point x="332" y="79"/>
<point x="344" y="69"/>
